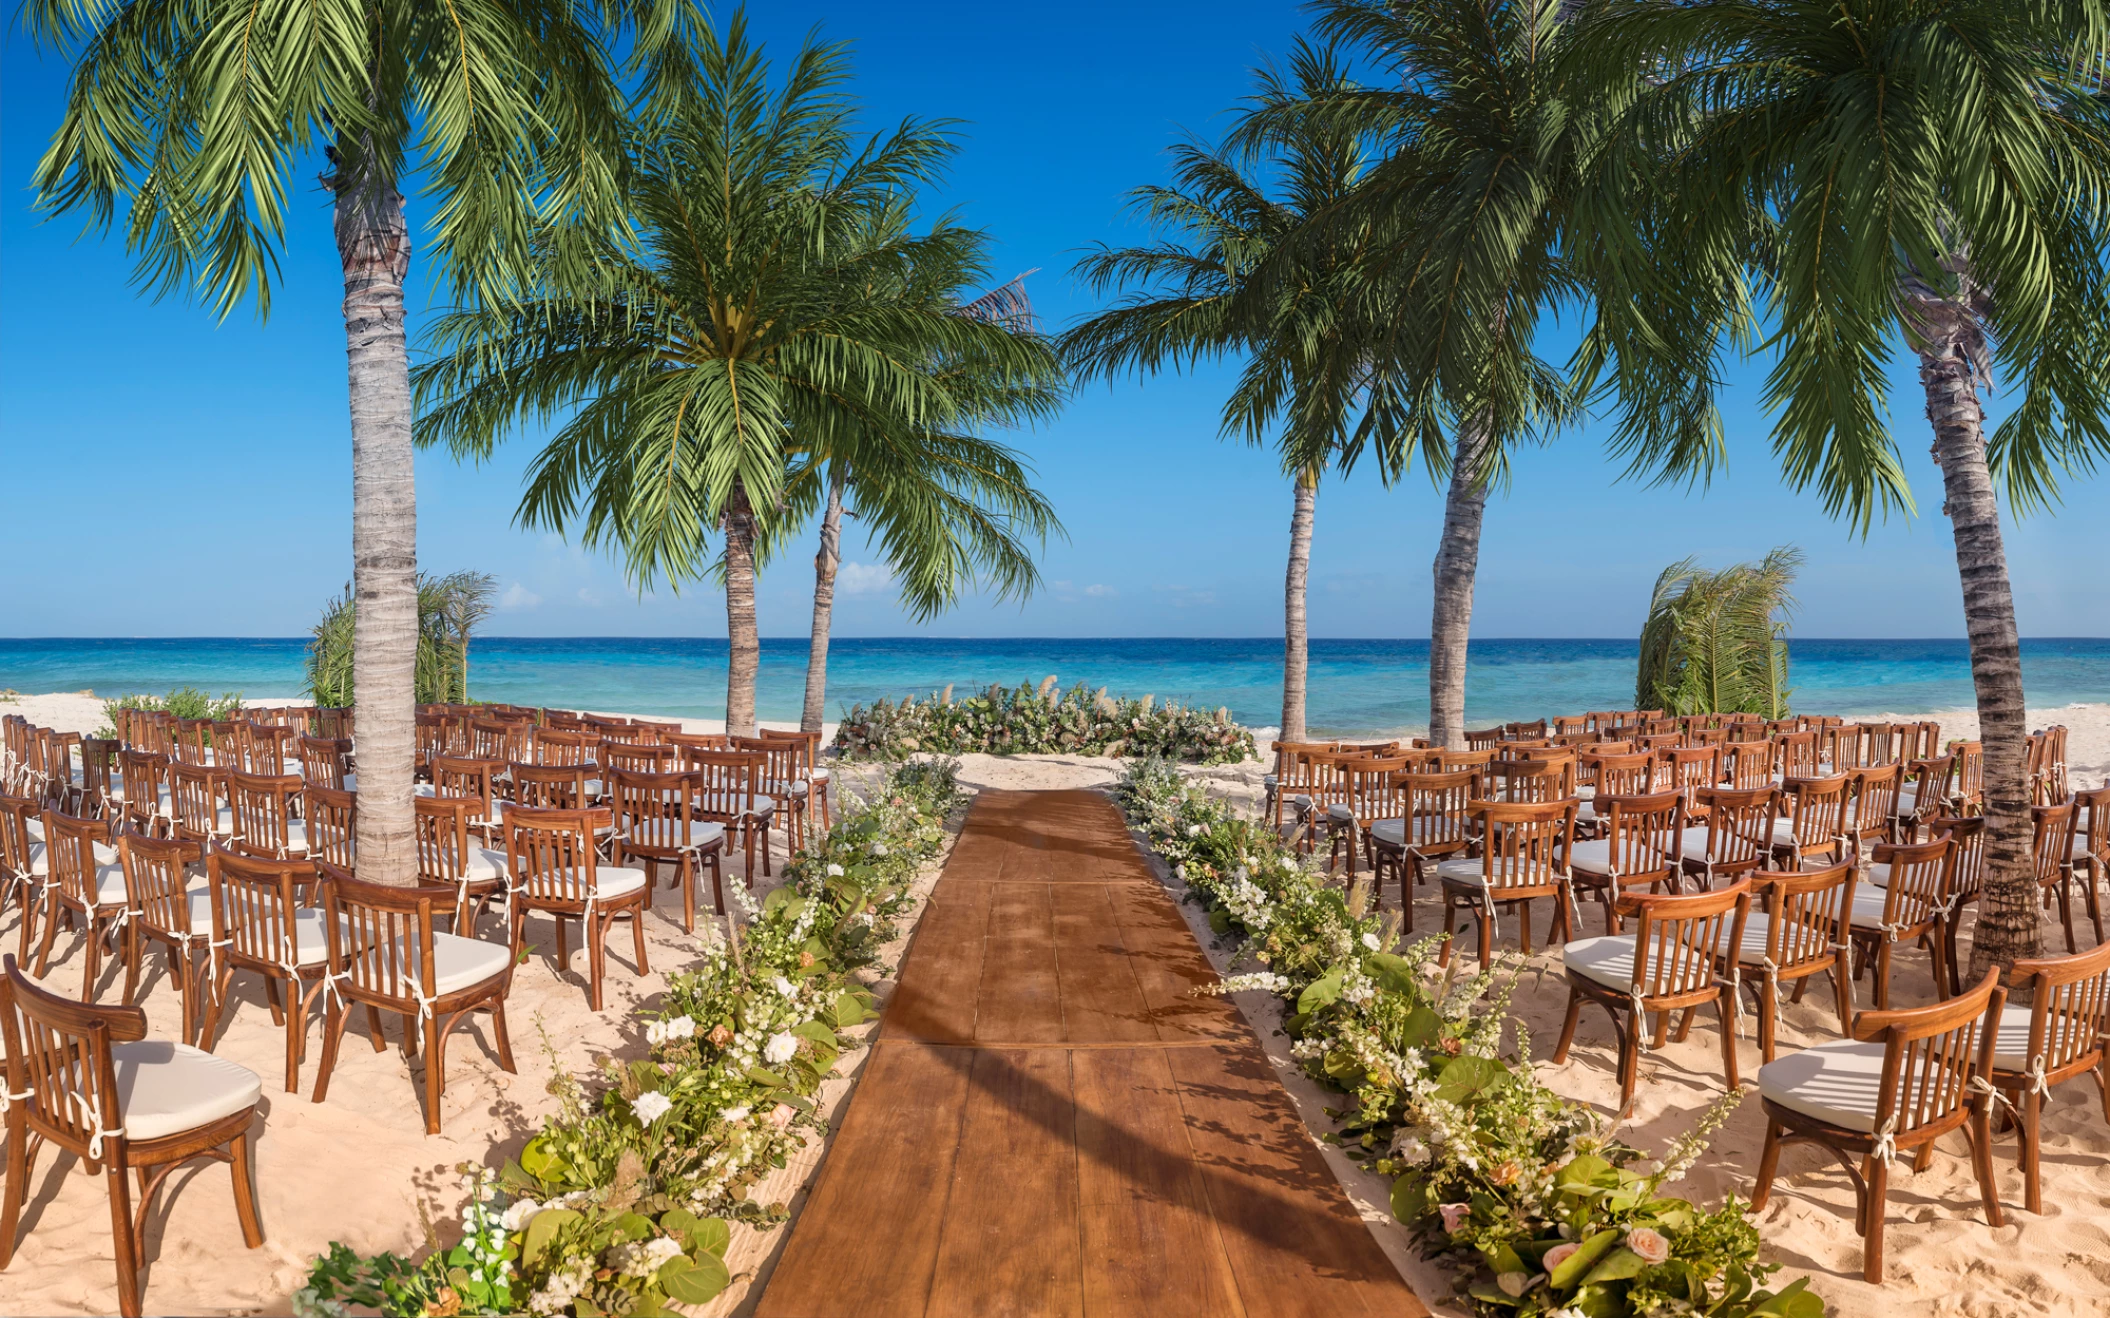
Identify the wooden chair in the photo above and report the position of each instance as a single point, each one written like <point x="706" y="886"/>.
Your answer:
<point x="655" y="825"/>
<point x="266" y="810"/>
<point x="1529" y="782"/>
<point x="1798" y="932"/>
<point x="84" y="883"/>
<point x="2051" y="846"/>
<point x="1795" y="756"/>
<point x="502" y="740"/>
<point x="1643" y="836"/>
<point x="262" y="923"/>
<point x="654" y="731"/>
<point x="194" y="791"/>
<point x="472" y="781"/>
<point x="1524" y="856"/>
<point x="807" y="769"/>
<point x="2088" y="854"/>
<point x="1901" y="1082"/>
<point x="327" y="762"/>
<point x="146" y="793"/>
<point x="551" y="786"/>
<point x="167" y="909"/>
<point x="561" y="746"/>
<point x="782" y="764"/>
<point x="1968" y="794"/>
<point x="1872" y="803"/>
<point x="1906" y="901"/>
<point x="1689" y="768"/>
<point x="1486" y="739"/>
<point x="1374" y="793"/>
<point x="1923" y="792"/>
<point x="722" y="791"/>
<point x="552" y="866"/>
<point x="21" y="871"/>
<point x="639" y="757"/>
<point x="1671" y="963"/>
<point x="448" y="857"/>
<point x="1611" y="775"/>
<point x="1748" y="765"/>
<point x="1436" y="808"/>
<point x="1737" y="836"/>
<point x="2053" y="1030"/>
<point x="86" y="1080"/>
<point x="332" y="829"/>
<point x="385" y="956"/>
<point x="1815" y="822"/>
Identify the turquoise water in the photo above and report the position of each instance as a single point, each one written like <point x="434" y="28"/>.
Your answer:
<point x="1357" y="687"/>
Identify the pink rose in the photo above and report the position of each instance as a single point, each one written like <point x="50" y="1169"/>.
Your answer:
<point x="1558" y="1255"/>
<point x="780" y="1116"/>
<point x="1454" y="1216"/>
<point x="1648" y="1245"/>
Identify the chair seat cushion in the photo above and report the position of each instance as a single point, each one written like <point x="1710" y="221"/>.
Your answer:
<point x="764" y="804"/>
<point x="483" y="865"/>
<point x="1869" y="906"/>
<point x="351" y="782"/>
<point x="1393" y="832"/>
<point x="105" y="859"/>
<point x="1593" y="857"/>
<point x="1758" y="928"/>
<point x="1462" y="871"/>
<point x="1838" y="1082"/>
<point x="617" y="881"/>
<point x="796" y="790"/>
<point x="166" y="1088"/>
<point x="1878" y="873"/>
<point x="1608" y="959"/>
<point x="1340" y="813"/>
<point x="2011" y="1041"/>
<point x="459" y="963"/>
<point x="818" y="775"/>
<point x="1908" y="799"/>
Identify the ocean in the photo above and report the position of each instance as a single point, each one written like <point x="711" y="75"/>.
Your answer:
<point x="1357" y="687"/>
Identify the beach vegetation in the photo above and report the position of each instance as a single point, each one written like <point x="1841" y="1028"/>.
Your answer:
<point x="449" y="610"/>
<point x="197" y="123"/>
<point x="623" y="1201"/>
<point x="772" y="329"/>
<point x="1831" y="184"/>
<point x="1530" y="1200"/>
<point x="185" y="702"/>
<point x="1036" y="719"/>
<point x="1307" y="348"/>
<point x="1717" y="642"/>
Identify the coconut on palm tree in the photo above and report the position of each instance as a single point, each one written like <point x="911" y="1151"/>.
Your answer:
<point x="1855" y="177"/>
<point x="770" y="323"/>
<point x="200" y="119"/>
<point x="1306" y="362"/>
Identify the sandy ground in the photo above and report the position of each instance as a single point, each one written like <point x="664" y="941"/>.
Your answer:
<point x="359" y="1168"/>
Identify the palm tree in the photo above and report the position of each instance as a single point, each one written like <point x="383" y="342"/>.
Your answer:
<point x="1858" y="175"/>
<point x="1716" y="642"/>
<point x="950" y="508"/>
<point x="771" y="314"/>
<point x="1466" y="222"/>
<point x="199" y="117"/>
<point x="1305" y="347"/>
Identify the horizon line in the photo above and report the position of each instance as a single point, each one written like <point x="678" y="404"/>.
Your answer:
<point x="926" y="636"/>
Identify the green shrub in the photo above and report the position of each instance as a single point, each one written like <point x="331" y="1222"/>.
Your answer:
<point x="1030" y="720"/>
<point x="185" y="702"/>
<point x="449" y="609"/>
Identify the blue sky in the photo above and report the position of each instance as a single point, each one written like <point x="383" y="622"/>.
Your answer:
<point x="167" y="475"/>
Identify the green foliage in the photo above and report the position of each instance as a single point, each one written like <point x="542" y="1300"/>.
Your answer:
<point x="1031" y="720"/>
<point x="1716" y="642"/>
<point x="185" y="702"/>
<point x="621" y="1203"/>
<point x="771" y="313"/>
<point x="1525" y="1195"/>
<point x="449" y="609"/>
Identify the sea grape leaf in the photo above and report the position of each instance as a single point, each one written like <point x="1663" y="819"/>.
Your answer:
<point x="1466" y="1075"/>
<point x="1621" y="1264"/>
<point x="815" y="1031"/>
<point x="1319" y="993"/>
<point x="1585" y="1257"/>
<point x="537" y="1160"/>
<point x="848" y="1010"/>
<point x="693" y="1281"/>
<point x="712" y="1235"/>
<point x="541" y="1229"/>
<point x="1410" y="1200"/>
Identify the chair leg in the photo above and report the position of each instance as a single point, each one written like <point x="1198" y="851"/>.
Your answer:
<point x="1630" y="1058"/>
<point x="1768" y="1016"/>
<point x="500" y="1038"/>
<point x="16" y="1188"/>
<point x="1575" y="1005"/>
<point x="132" y="951"/>
<point x="373" y="1029"/>
<point x="296" y="1036"/>
<point x="1450" y="929"/>
<point x="435" y="1071"/>
<point x="1487" y="935"/>
<point x="1877" y="1172"/>
<point x="1883" y="975"/>
<point x="1768" y="1166"/>
<point x="1725" y="1007"/>
<point x="119" y="1181"/>
<point x="637" y="939"/>
<point x="2031" y="1137"/>
<point x="245" y="1190"/>
<point x="334" y="1020"/>
<point x="596" y="944"/>
<point x="685" y="875"/>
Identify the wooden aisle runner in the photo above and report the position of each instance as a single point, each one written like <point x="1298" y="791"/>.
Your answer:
<point x="1050" y="1124"/>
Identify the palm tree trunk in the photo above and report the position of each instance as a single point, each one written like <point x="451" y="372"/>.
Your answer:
<point x="1451" y="616"/>
<point x="2006" y="928"/>
<point x="824" y="565"/>
<point x="1296" y="649"/>
<point x="744" y="646"/>
<point x="373" y="243"/>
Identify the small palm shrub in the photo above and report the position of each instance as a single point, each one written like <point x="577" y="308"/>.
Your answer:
<point x="1716" y="642"/>
<point x="449" y="609"/>
<point x="185" y="702"/>
<point x="1029" y="720"/>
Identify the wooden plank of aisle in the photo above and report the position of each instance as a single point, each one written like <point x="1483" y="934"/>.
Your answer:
<point x="1052" y="1124"/>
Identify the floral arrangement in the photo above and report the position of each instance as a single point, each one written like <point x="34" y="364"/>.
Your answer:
<point x="1529" y="1198"/>
<point x="622" y="1203"/>
<point x="1030" y="719"/>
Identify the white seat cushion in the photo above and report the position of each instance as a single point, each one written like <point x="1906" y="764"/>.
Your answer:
<point x="1393" y="832"/>
<point x="1340" y="813"/>
<point x="1758" y="927"/>
<point x="166" y="1088"/>
<point x="1783" y="832"/>
<point x="1462" y="871"/>
<point x="36" y="829"/>
<point x="1586" y="813"/>
<point x="2011" y="1042"/>
<point x="616" y="881"/>
<point x="105" y="858"/>
<point x="1868" y="907"/>
<point x="818" y="775"/>
<point x="1838" y="1082"/>
<point x="1592" y="857"/>
<point x="764" y="804"/>
<point x="796" y="791"/>
<point x="351" y="782"/>
<point x="1300" y="800"/>
<point x="702" y="833"/>
<point x="1693" y="844"/>
<point x="484" y="863"/>
<point x="110" y="885"/>
<point x="459" y="963"/>
<point x="1586" y="790"/>
<point x="1908" y="798"/>
<point x="1607" y="959"/>
<point x="1878" y="873"/>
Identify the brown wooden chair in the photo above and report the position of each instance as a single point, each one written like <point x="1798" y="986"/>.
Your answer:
<point x="1795" y="756"/>
<point x="725" y="787"/>
<point x="1966" y="880"/>
<point x="1435" y="822"/>
<point x="1524" y="856"/>
<point x="83" y="885"/>
<point x="1486" y="739"/>
<point x="655" y="824"/>
<point x="1737" y="836"/>
<point x="21" y="878"/>
<point x="639" y="757"/>
<point x="1813" y="823"/>
<point x="266" y="815"/>
<point x="552" y="866"/>
<point x="552" y="786"/>
<point x="783" y="764"/>
<point x="1643" y="836"/>
<point x="448" y="856"/>
<point x="1374" y="793"/>
<point x="2088" y="854"/>
<point x="1906" y="901"/>
<point x="86" y="1080"/>
<point x="1923" y="792"/>
<point x="1901" y="1082"/>
<point x="1529" y="782"/>
<point x="194" y="795"/>
<point x="811" y="771"/>
<point x="474" y="781"/>
<point x="2051" y="845"/>
<point x="327" y="762"/>
<point x="332" y="829"/>
<point x="144" y="776"/>
<point x="2053" y="1030"/>
<point x="168" y="908"/>
<point x="263" y="924"/>
<point x="1798" y="932"/>
<point x="1631" y="774"/>
<point x="385" y="956"/>
<point x="1670" y="963"/>
<point x="1968" y="793"/>
<point x="1872" y="803"/>
<point x="564" y="746"/>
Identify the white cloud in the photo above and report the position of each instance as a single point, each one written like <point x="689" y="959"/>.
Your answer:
<point x="1098" y="591"/>
<point x="863" y="578"/>
<point x="518" y="596"/>
<point x="590" y="597"/>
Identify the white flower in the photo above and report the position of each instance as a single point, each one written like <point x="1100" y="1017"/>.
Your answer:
<point x="1408" y="1148"/>
<point x="1370" y="941"/>
<point x="517" y="1213"/>
<point x="835" y="871"/>
<point x="735" y="1115"/>
<point x="879" y="849"/>
<point x="780" y="1049"/>
<point x="643" y="1258"/>
<point x="786" y="987"/>
<point x="651" y="1106"/>
<point x="1194" y="830"/>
